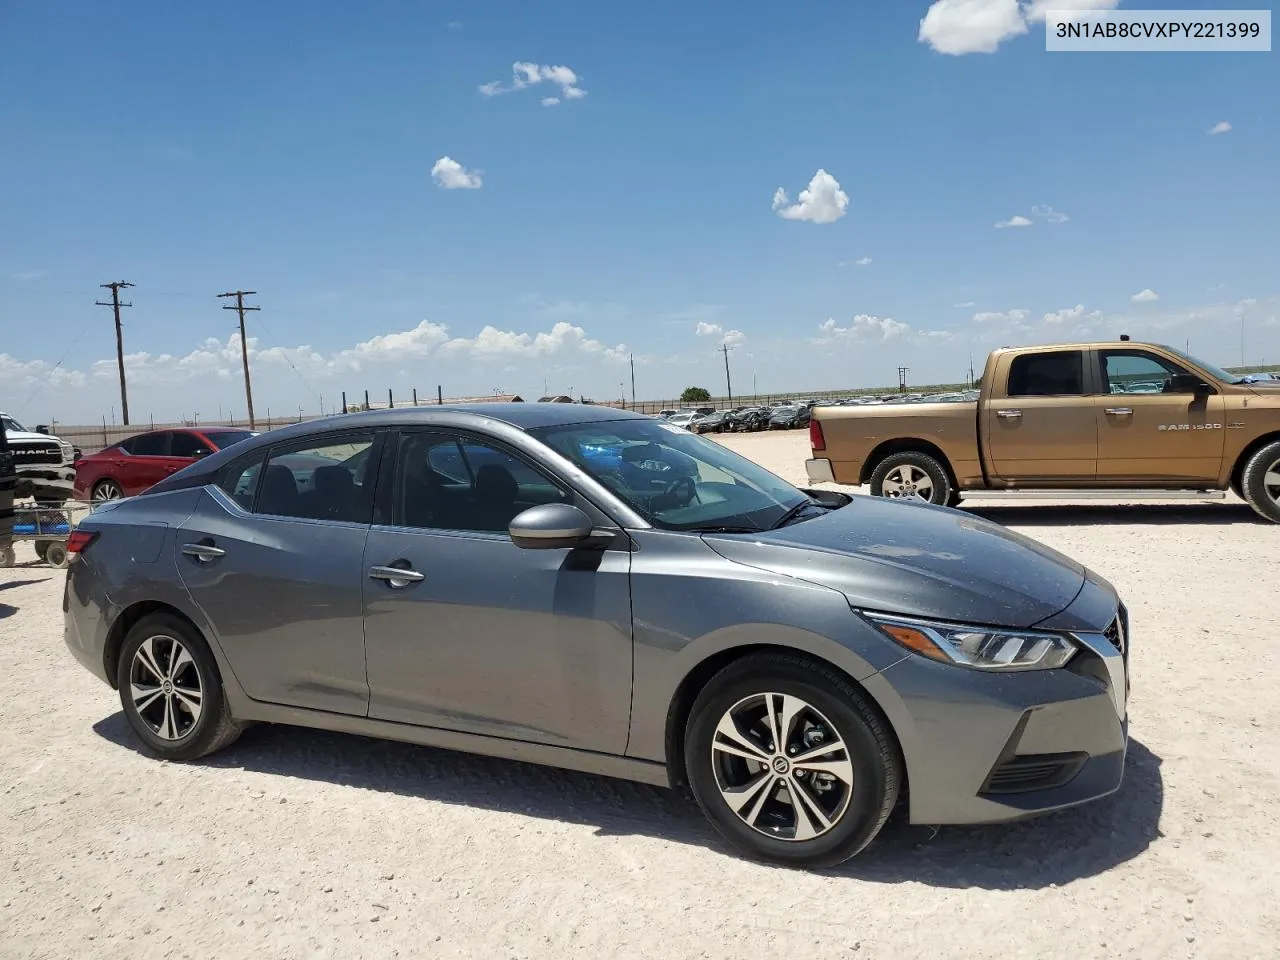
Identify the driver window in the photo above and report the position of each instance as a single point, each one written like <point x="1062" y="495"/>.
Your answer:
<point x="1133" y="372"/>
<point x="456" y="483"/>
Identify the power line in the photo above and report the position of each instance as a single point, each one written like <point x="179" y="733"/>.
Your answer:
<point x="284" y="353"/>
<point x="66" y="353"/>
<point x="240" y="308"/>
<point x="115" y="305"/>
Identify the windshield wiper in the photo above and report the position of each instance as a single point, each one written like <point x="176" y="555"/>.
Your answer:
<point x="794" y="512"/>
<point x="713" y="528"/>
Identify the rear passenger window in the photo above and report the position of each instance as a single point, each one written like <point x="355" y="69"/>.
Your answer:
<point x="240" y="482"/>
<point x="1057" y="374"/>
<point x="328" y="481"/>
<point x="149" y="445"/>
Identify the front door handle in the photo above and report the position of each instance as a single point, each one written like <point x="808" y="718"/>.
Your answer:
<point x="1009" y="414"/>
<point x="1120" y="411"/>
<point x="203" y="552"/>
<point x="396" y="577"/>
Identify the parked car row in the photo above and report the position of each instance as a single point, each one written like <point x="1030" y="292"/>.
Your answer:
<point x="787" y="415"/>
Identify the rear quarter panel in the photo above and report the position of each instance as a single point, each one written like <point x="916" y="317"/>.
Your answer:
<point x="859" y="436"/>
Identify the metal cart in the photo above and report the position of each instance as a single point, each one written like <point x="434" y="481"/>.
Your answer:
<point x="48" y="529"/>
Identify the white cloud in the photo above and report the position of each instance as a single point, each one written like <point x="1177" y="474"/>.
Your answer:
<point x="730" y="337"/>
<point x="525" y="74"/>
<point x="1075" y="317"/>
<point x="864" y="327"/>
<point x="449" y="174"/>
<point x="821" y="202"/>
<point x="863" y="262"/>
<point x="957" y="27"/>
<point x="1145" y="296"/>
<point x="26" y="276"/>
<point x="1220" y="127"/>
<point x="963" y="306"/>
<point x="1048" y="214"/>
<point x="1015" y="221"/>
<point x="1007" y="316"/>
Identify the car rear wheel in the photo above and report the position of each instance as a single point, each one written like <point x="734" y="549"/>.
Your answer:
<point x="55" y="554"/>
<point x="1260" y="482"/>
<point x="171" y="691"/>
<point x="105" y="490"/>
<point x="913" y="475"/>
<point x="789" y="762"/>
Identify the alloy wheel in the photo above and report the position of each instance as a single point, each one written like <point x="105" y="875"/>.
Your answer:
<point x="106" y="490"/>
<point x="908" y="481"/>
<point x="166" y="687"/>
<point x="1271" y="483"/>
<point x="782" y="767"/>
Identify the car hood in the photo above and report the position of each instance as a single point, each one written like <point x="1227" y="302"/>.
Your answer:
<point x="14" y="435"/>
<point x="917" y="560"/>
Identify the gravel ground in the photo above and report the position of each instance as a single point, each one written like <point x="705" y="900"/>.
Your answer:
<point x="296" y="843"/>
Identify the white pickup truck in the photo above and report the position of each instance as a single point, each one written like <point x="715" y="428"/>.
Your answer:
<point x="45" y="465"/>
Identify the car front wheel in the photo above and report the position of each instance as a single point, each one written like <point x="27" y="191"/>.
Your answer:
<point x="105" y="490"/>
<point x="171" y="691"/>
<point x="790" y="762"/>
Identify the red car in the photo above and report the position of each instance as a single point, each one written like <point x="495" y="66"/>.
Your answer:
<point x="133" y="465"/>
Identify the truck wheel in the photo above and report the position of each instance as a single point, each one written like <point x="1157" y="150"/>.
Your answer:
<point x="912" y="475"/>
<point x="1261" y="482"/>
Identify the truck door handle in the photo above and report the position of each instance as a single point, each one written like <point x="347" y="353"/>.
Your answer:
<point x="396" y="577"/>
<point x="1009" y="414"/>
<point x="1120" y="411"/>
<point x="203" y="552"/>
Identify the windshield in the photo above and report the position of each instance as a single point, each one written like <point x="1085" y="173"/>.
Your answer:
<point x="11" y="425"/>
<point x="674" y="479"/>
<point x="1209" y="368"/>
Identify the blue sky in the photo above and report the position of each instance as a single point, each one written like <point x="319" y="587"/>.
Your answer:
<point x="289" y="149"/>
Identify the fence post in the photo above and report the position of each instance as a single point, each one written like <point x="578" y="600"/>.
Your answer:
<point x="439" y="394"/>
<point x="366" y="399"/>
<point x="391" y="403"/>
<point x="415" y="396"/>
<point x="344" y="401"/>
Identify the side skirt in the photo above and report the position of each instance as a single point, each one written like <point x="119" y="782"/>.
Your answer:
<point x="583" y="761"/>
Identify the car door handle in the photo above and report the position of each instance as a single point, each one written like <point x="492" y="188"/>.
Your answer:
<point x="1120" y="411"/>
<point x="203" y="552"/>
<point x="1009" y="414"/>
<point x="396" y="577"/>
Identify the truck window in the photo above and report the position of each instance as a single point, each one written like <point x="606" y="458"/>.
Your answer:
<point x="1058" y="374"/>
<point x="1136" y="372"/>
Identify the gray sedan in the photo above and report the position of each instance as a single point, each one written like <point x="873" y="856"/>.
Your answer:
<point x="602" y="591"/>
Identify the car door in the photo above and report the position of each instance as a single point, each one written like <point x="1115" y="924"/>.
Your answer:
<point x="185" y="449"/>
<point x="273" y="555"/>
<point x="1040" y="427"/>
<point x="468" y="632"/>
<point x="1146" y="430"/>
<point x="146" y="461"/>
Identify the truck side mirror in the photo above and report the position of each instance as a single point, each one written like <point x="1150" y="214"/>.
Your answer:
<point x="1189" y="383"/>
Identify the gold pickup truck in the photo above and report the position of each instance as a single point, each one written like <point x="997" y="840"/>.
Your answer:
<point x="1120" y="417"/>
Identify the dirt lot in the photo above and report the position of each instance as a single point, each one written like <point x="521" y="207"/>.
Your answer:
<point x="303" y="844"/>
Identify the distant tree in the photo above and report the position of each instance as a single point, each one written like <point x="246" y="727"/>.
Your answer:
<point x="695" y="395"/>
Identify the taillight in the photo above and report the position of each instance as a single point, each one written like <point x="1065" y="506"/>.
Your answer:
<point x="816" y="439"/>
<point x="79" y="539"/>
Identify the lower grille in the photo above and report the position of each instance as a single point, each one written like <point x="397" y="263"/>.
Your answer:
<point x="1034" y="771"/>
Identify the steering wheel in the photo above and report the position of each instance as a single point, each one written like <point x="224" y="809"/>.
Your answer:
<point x="668" y="496"/>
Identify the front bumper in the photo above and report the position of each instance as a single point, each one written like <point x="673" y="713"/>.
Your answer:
<point x="819" y="471"/>
<point x="991" y="747"/>
<point x="51" y="482"/>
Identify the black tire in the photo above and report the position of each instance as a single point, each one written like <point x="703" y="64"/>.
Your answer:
<point x="212" y="729"/>
<point x="96" y="495"/>
<point x="41" y="548"/>
<point x="1258" y="492"/>
<point x="876" y="769"/>
<point x="55" y="554"/>
<point x="941" y="491"/>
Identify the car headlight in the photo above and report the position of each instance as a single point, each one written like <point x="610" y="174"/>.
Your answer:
<point x="984" y="648"/>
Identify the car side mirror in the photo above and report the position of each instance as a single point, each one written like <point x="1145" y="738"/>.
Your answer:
<point x="551" y="526"/>
<point x="1188" y="383"/>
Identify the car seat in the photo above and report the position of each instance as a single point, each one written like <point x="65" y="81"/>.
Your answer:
<point x="496" y="492"/>
<point x="279" y="493"/>
<point x="334" y="494"/>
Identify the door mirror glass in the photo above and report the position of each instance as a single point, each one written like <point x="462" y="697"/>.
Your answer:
<point x="550" y="526"/>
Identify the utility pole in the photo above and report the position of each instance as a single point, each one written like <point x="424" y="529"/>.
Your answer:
<point x="241" y="309"/>
<point x="727" y="382"/>
<point x="115" y="305"/>
<point x="633" y="380"/>
<point x="902" y="379"/>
